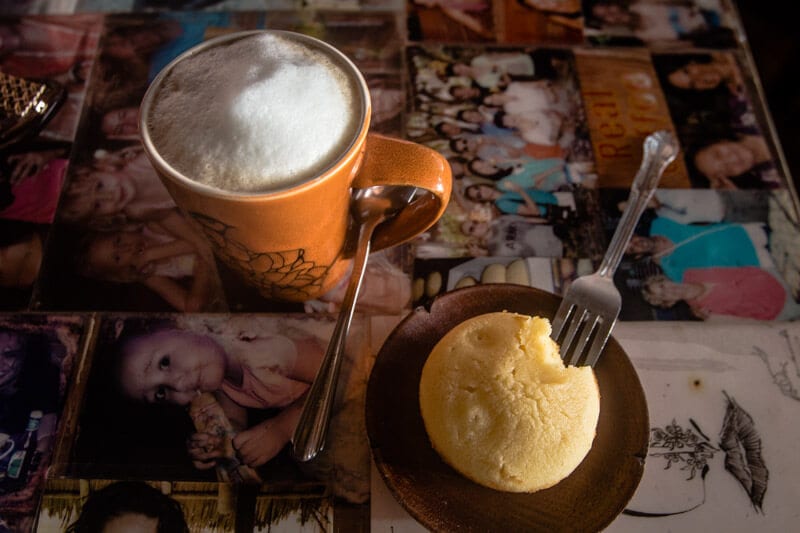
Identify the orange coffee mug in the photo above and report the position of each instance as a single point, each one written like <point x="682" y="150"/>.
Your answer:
<point x="289" y="240"/>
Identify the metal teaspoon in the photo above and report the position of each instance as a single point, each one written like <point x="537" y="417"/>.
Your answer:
<point x="369" y="207"/>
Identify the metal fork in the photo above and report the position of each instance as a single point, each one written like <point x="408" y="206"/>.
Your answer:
<point x="592" y="303"/>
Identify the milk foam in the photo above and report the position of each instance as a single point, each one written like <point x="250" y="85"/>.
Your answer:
<point x="259" y="113"/>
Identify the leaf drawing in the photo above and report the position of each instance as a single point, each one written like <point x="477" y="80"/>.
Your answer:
<point x="742" y="446"/>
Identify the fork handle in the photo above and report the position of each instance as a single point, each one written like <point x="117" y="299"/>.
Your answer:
<point x="660" y="149"/>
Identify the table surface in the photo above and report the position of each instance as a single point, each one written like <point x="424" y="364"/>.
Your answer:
<point x="720" y="370"/>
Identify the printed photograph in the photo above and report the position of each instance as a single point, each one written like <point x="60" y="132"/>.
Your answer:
<point x="434" y="277"/>
<point x="624" y="103"/>
<point x="37" y="357"/>
<point x="31" y="177"/>
<point x="215" y="399"/>
<point x="701" y="257"/>
<point x="46" y="58"/>
<point x="371" y="39"/>
<point x="724" y="146"/>
<point x="120" y="242"/>
<point x="77" y="506"/>
<point x="58" y="50"/>
<point x="451" y="20"/>
<point x="539" y="21"/>
<point x="510" y="122"/>
<point x="21" y="252"/>
<point x="658" y="23"/>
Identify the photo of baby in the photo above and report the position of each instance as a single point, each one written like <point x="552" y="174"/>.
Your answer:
<point x="120" y="242"/>
<point x="205" y="398"/>
<point x="153" y="256"/>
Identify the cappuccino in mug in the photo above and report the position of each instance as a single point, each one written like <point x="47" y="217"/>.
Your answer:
<point x="259" y="137"/>
<point x="256" y="114"/>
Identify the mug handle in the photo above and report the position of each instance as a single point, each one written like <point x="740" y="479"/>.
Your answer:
<point x="390" y="161"/>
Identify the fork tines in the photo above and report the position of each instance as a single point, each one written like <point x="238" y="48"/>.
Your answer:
<point x="585" y="328"/>
<point x="583" y="322"/>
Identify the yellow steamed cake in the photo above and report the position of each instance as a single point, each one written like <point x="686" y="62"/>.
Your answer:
<point x="500" y="407"/>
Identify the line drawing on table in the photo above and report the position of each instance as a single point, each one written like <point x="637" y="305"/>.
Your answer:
<point x="781" y="371"/>
<point x="689" y="449"/>
<point x="685" y="448"/>
<point x="742" y="445"/>
<point x="281" y="273"/>
<point x="674" y="438"/>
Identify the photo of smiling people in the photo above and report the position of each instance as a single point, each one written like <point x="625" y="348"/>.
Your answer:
<point x="692" y="261"/>
<point x="528" y="222"/>
<point x="710" y="103"/>
<point x="658" y="23"/>
<point x="487" y="218"/>
<point x="717" y="125"/>
<point x="509" y="120"/>
<point x="37" y="355"/>
<point x="217" y="398"/>
<point x="529" y="94"/>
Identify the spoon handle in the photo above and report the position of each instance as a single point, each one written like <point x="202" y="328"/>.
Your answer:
<point x="312" y="428"/>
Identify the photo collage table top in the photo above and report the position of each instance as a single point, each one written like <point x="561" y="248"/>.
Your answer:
<point x="540" y="107"/>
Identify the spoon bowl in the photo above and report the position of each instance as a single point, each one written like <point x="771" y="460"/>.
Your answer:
<point x="379" y="202"/>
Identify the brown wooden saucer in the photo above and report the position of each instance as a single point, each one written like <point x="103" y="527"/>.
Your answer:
<point x="440" y="498"/>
